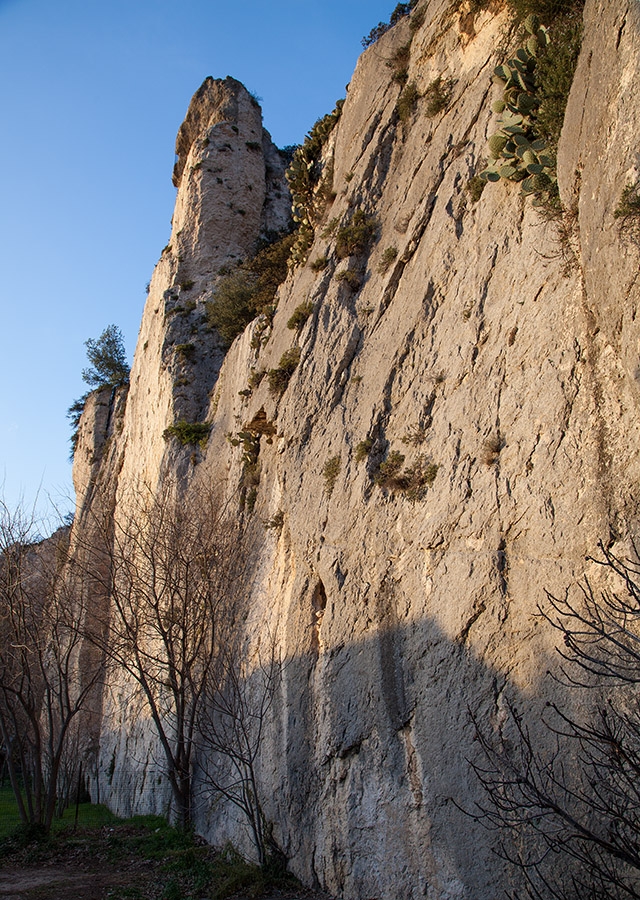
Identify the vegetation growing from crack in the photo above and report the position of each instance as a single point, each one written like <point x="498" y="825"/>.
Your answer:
<point x="554" y="75"/>
<point x="399" y="62"/>
<point x="309" y="195"/>
<point x="351" y="279"/>
<point x="407" y="102"/>
<point x="548" y="11"/>
<point x="627" y="211"/>
<point x="516" y="149"/>
<point x="330" y="473"/>
<point x="186" y="433"/>
<point x="363" y="449"/>
<point x="249" y="290"/>
<point x="186" y="352"/>
<point x="250" y="478"/>
<point x="537" y="80"/>
<point x="437" y="96"/>
<point x="276" y="522"/>
<point x="249" y="439"/>
<point x="401" y="10"/>
<point x="412" y="481"/>
<point x="388" y="258"/>
<point x="355" y="238"/>
<point x="475" y="186"/>
<point x="320" y="263"/>
<point x="108" y="368"/>
<point x="300" y="315"/>
<point x="280" y="377"/>
<point x="415" y="435"/>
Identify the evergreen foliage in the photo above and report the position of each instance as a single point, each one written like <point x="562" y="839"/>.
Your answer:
<point x="355" y="238"/>
<point x="109" y="368"/>
<point x="196" y="433"/>
<point x="108" y="360"/>
<point x="300" y="315"/>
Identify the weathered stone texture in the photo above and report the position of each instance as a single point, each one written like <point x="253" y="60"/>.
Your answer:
<point x="475" y="348"/>
<point x="234" y="194"/>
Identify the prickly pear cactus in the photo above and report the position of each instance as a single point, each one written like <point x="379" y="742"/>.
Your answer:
<point x="515" y="150"/>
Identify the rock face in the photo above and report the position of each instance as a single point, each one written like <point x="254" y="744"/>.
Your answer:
<point x="234" y="194"/>
<point x="461" y="340"/>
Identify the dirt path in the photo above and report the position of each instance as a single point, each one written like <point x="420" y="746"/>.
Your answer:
<point x="69" y="883"/>
<point x="134" y="860"/>
<point x="60" y="882"/>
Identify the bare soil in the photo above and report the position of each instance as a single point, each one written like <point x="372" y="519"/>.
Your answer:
<point x="64" y="883"/>
<point x="102" y="864"/>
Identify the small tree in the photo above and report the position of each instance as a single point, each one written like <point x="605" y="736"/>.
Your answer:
<point x="238" y="697"/>
<point x="169" y="569"/>
<point x="109" y="367"/>
<point x="570" y="818"/>
<point x="42" y="686"/>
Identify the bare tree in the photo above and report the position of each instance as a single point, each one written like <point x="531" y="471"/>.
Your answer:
<point x="239" y="694"/>
<point x="42" y="688"/>
<point x="570" y="817"/>
<point x="171" y="570"/>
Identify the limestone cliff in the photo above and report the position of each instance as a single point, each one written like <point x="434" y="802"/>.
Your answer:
<point x="460" y="340"/>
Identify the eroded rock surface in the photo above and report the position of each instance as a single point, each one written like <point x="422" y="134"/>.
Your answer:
<point x="471" y="349"/>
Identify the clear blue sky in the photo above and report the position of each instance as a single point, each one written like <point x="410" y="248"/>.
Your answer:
<point x="92" y="94"/>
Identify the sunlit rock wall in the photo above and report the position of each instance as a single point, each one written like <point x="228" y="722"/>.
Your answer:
<point x="488" y="348"/>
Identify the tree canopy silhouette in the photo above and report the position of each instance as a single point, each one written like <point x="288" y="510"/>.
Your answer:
<point x="109" y="367"/>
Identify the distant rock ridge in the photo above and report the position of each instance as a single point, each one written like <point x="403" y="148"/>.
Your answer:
<point x="455" y="341"/>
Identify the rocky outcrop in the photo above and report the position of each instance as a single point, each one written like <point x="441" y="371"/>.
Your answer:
<point x="234" y="195"/>
<point x="463" y="341"/>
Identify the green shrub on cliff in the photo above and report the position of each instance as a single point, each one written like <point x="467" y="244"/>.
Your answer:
<point x="310" y="191"/>
<point x="250" y="290"/>
<point x="407" y="102"/>
<point x="355" y="238"/>
<point x="233" y="306"/>
<point x="300" y="315"/>
<point x="195" y="433"/>
<point x="554" y="74"/>
<point x="627" y="212"/>
<point x="280" y="376"/>
<point x="330" y="473"/>
<point x="400" y="11"/>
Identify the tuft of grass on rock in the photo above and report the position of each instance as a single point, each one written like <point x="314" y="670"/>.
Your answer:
<point x="437" y="96"/>
<point x="355" y="238"/>
<point x="407" y="102"/>
<point x="363" y="449"/>
<point x="330" y="473"/>
<point x="280" y="377"/>
<point x="300" y="315"/>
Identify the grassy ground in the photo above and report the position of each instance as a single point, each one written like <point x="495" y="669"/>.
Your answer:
<point x="143" y="858"/>
<point x="89" y="815"/>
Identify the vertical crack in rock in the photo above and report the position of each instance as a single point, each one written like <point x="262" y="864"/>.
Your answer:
<point x="459" y="331"/>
